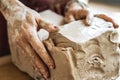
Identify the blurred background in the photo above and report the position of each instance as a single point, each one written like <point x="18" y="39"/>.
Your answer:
<point x="105" y="5"/>
<point x="113" y="2"/>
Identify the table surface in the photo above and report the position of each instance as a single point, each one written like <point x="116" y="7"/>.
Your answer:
<point x="9" y="72"/>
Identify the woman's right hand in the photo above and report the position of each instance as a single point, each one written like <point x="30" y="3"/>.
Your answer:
<point x="23" y="26"/>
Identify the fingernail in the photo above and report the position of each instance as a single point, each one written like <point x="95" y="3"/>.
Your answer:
<point x="116" y="26"/>
<point x="45" y="76"/>
<point x="55" y="27"/>
<point x="89" y="22"/>
<point x="52" y="67"/>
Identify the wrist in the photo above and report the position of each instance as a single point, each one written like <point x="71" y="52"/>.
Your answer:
<point x="10" y="7"/>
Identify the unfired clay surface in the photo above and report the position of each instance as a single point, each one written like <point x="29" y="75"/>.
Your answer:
<point x="79" y="52"/>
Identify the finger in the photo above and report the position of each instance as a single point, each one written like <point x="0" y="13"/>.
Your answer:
<point x="69" y="17"/>
<point x="36" y="62"/>
<point x="58" y="8"/>
<point x="81" y="14"/>
<point x="86" y="15"/>
<point x="43" y="24"/>
<point x="32" y="37"/>
<point x="89" y="17"/>
<point x="107" y="18"/>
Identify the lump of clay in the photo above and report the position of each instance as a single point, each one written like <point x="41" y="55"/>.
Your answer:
<point x="97" y="58"/>
<point x="79" y="52"/>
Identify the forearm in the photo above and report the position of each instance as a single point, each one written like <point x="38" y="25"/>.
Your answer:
<point x="10" y="8"/>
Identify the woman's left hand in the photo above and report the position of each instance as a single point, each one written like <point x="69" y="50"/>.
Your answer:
<point x="76" y="12"/>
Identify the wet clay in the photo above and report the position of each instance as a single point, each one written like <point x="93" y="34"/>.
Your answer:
<point x="97" y="58"/>
<point x="94" y="55"/>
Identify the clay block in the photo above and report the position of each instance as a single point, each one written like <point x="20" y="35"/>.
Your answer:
<point x="79" y="52"/>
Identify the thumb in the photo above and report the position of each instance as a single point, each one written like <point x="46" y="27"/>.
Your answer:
<point x="45" y="25"/>
<point x="89" y="17"/>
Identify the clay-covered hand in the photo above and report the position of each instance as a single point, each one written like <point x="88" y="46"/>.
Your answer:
<point x="27" y="38"/>
<point x="76" y="12"/>
<point x="23" y="24"/>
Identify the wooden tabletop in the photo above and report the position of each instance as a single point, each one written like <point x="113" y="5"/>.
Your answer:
<point x="10" y="72"/>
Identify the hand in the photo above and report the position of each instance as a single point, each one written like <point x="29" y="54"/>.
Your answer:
<point x="23" y="33"/>
<point x="29" y="37"/>
<point x="76" y="12"/>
